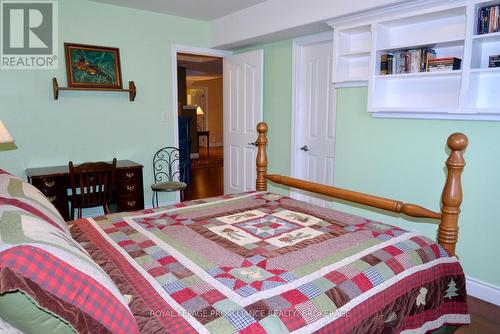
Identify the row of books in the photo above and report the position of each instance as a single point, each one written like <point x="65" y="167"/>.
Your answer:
<point x="488" y="20"/>
<point x="443" y="64"/>
<point x="406" y="61"/>
<point x="494" y="61"/>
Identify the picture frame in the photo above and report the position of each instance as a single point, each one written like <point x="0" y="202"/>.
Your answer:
<point x="92" y="66"/>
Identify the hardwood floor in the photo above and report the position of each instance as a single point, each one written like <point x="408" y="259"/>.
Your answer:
<point x="207" y="176"/>
<point x="216" y="158"/>
<point x="485" y="318"/>
<point x="205" y="182"/>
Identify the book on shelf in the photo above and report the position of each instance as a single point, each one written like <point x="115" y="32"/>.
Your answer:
<point x="494" y="61"/>
<point x="386" y="63"/>
<point x="488" y="19"/>
<point x="406" y="61"/>
<point x="440" y="64"/>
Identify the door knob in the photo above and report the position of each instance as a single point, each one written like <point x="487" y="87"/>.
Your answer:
<point x="253" y="144"/>
<point x="304" y="148"/>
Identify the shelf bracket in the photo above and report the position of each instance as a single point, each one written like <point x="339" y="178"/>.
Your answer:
<point x="132" y="91"/>
<point x="55" y="88"/>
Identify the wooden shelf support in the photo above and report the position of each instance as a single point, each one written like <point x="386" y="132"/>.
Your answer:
<point x="132" y="90"/>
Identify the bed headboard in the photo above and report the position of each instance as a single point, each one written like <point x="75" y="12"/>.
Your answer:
<point x="451" y="197"/>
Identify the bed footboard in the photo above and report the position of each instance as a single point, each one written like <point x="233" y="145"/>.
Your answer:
<point x="451" y="198"/>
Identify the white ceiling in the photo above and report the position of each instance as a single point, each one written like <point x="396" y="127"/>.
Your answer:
<point x="197" y="9"/>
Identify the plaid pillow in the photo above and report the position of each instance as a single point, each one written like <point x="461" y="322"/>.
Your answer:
<point x="39" y="257"/>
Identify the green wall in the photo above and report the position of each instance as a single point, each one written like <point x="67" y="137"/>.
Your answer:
<point x="89" y="126"/>
<point x="397" y="158"/>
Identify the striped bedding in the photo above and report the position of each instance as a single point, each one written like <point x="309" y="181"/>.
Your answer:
<point x="264" y="263"/>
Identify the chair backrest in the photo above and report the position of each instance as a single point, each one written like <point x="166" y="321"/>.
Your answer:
<point x="95" y="182"/>
<point x="168" y="166"/>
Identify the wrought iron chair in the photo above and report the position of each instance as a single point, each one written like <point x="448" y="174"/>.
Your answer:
<point x="169" y="171"/>
<point x="92" y="185"/>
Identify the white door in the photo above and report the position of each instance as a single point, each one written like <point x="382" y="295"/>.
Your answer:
<point x="314" y="119"/>
<point x="243" y="90"/>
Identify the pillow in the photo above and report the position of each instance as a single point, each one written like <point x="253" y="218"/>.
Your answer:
<point x="39" y="258"/>
<point x="32" y="319"/>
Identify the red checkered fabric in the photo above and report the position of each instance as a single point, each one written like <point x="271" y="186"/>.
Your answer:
<point x="292" y="319"/>
<point x="70" y="285"/>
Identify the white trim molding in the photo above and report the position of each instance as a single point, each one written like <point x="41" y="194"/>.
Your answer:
<point x="485" y="291"/>
<point x="186" y="49"/>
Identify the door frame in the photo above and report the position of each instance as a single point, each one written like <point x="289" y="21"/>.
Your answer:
<point x="297" y="45"/>
<point x="193" y="50"/>
<point x="175" y="49"/>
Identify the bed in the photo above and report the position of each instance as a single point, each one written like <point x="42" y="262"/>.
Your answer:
<point x="256" y="262"/>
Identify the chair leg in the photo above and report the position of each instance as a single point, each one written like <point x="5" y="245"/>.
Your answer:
<point x="153" y="199"/>
<point x="79" y="212"/>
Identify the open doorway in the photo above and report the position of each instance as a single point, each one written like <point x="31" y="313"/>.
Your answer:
<point x="200" y="103"/>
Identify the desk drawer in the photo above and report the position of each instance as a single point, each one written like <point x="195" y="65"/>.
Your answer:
<point x="130" y="203"/>
<point x="54" y="189"/>
<point x="128" y="189"/>
<point x="49" y="186"/>
<point x="129" y="176"/>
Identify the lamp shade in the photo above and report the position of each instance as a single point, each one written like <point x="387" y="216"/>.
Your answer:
<point x="5" y="136"/>
<point x="199" y="111"/>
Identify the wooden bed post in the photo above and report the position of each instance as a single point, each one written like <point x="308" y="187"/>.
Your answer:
<point x="452" y="193"/>
<point x="261" y="183"/>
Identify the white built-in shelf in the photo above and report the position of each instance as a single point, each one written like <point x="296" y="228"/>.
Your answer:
<point x="490" y="37"/>
<point x="351" y="61"/>
<point x="355" y="54"/>
<point x="425" y="44"/>
<point x="488" y="70"/>
<point x="415" y="110"/>
<point x="447" y="26"/>
<point x="435" y="74"/>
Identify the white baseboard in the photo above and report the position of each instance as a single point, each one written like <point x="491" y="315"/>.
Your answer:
<point x="482" y="290"/>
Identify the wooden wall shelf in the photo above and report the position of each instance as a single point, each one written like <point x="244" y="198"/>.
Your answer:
<point x="132" y="90"/>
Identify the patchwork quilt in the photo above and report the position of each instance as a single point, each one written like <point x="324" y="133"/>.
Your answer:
<point x="265" y="263"/>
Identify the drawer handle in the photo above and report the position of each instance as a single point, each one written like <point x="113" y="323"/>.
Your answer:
<point x="130" y="188"/>
<point x="52" y="198"/>
<point x="50" y="184"/>
<point x="130" y="174"/>
<point x="131" y="203"/>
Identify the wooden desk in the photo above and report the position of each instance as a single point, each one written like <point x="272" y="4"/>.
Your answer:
<point x="53" y="182"/>
<point x="205" y="134"/>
